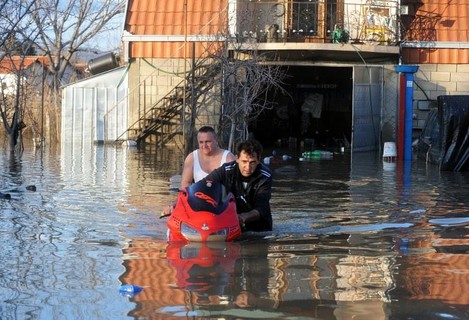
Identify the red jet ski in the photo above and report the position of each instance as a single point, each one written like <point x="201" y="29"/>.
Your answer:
<point x="204" y="212"/>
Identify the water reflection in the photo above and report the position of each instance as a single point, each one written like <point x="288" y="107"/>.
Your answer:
<point x="270" y="279"/>
<point x="333" y="277"/>
<point x="353" y="237"/>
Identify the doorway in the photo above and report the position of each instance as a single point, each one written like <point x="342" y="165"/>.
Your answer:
<point x="315" y="114"/>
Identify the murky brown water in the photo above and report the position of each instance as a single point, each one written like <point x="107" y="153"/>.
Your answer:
<point x="352" y="238"/>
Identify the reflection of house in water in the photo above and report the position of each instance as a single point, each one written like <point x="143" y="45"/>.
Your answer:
<point x="438" y="273"/>
<point x="446" y="280"/>
<point x="146" y="266"/>
<point x="337" y="279"/>
<point x="279" y="278"/>
<point x="363" y="278"/>
<point x="202" y="275"/>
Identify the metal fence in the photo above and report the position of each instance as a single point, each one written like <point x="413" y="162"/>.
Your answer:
<point x="368" y="22"/>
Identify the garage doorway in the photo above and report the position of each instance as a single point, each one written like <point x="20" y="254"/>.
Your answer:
<point x="315" y="114"/>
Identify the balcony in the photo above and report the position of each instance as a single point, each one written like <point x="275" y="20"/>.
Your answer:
<point x="321" y="27"/>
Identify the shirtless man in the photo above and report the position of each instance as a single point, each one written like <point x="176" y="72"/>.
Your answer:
<point x="205" y="159"/>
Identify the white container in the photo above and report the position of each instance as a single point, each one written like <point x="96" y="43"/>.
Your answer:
<point x="389" y="151"/>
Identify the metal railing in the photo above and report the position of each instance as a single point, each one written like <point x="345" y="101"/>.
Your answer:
<point x="369" y="22"/>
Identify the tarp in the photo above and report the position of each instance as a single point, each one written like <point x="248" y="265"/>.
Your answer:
<point x="453" y="112"/>
<point x="445" y="138"/>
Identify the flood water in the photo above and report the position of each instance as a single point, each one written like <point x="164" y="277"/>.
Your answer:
<point x="354" y="238"/>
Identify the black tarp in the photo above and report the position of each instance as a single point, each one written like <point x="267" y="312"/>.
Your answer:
<point x="428" y="147"/>
<point x="445" y="138"/>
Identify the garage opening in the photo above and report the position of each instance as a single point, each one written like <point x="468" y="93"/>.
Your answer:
<point x="315" y="114"/>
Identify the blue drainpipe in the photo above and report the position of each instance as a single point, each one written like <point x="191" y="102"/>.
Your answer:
<point x="409" y="71"/>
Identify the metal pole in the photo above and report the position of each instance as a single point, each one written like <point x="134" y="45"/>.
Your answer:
<point x="44" y="74"/>
<point x="401" y="117"/>
<point x="409" y="113"/>
<point x="184" y="102"/>
<point x="409" y="71"/>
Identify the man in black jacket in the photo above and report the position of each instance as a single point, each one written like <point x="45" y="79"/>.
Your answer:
<point x="251" y="183"/>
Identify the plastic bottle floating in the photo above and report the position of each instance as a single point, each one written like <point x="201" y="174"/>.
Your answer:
<point x="130" y="290"/>
<point x="317" y="154"/>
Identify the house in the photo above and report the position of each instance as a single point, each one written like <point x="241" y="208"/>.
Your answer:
<point x="353" y="78"/>
<point x="337" y="60"/>
<point x="33" y="75"/>
<point x="28" y="68"/>
<point x="33" y="70"/>
<point x="8" y="78"/>
<point x="340" y="57"/>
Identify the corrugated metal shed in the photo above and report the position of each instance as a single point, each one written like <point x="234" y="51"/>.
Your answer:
<point x="95" y="109"/>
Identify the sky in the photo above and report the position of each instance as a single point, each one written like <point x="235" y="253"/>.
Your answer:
<point x="109" y="40"/>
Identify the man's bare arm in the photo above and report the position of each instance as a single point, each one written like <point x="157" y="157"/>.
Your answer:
<point x="188" y="171"/>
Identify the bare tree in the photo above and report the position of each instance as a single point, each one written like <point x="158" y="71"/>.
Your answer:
<point x="15" y="41"/>
<point x="234" y="73"/>
<point x="13" y="18"/>
<point x="66" y="26"/>
<point x="246" y="82"/>
<point x="248" y="86"/>
<point x="55" y="29"/>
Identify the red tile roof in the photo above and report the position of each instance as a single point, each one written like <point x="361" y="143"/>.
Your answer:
<point x="428" y="20"/>
<point x="168" y="18"/>
<point x="439" y="24"/>
<point x="150" y="17"/>
<point x="15" y="63"/>
<point x="429" y="55"/>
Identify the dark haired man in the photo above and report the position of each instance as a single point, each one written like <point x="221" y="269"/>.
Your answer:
<point x="251" y="183"/>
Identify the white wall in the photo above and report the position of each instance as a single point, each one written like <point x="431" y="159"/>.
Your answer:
<point x="8" y="83"/>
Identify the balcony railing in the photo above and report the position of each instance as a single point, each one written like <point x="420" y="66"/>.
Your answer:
<point x="321" y="21"/>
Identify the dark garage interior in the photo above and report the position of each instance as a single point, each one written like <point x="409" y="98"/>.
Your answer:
<point x="315" y="114"/>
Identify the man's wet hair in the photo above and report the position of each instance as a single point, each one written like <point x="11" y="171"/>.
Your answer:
<point x="250" y="146"/>
<point x="206" y="129"/>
